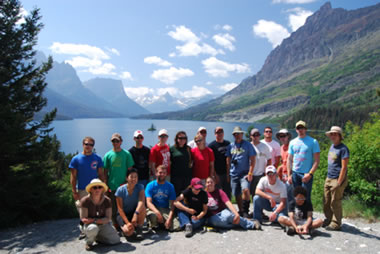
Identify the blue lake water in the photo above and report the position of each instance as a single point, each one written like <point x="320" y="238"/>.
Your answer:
<point x="71" y="132"/>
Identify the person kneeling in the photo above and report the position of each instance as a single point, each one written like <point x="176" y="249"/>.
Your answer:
<point x="192" y="207"/>
<point x="222" y="212"/>
<point x="130" y="200"/>
<point x="96" y="213"/>
<point x="300" y="218"/>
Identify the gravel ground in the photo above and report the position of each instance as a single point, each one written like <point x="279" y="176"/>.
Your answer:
<point x="61" y="236"/>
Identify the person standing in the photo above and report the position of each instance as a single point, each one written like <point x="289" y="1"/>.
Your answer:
<point x="274" y="145"/>
<point x="140" y="154"/>
<point x="181" y="163"/>
<point x="201" y="131"/>
<point x="84" y="167"/>
<point x="219" y="147"/>
<point x="263" y="159"/>
<point x="116" y="163"/>
<point x="240" y="164"/>
<point x="160" y="153"/>
<point x="336" y="180"/>
<point x="284" y="136"/>
<point x="203" y="159"/>
<point x="303" y="159"/>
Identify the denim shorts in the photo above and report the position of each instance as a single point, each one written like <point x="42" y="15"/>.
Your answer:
<point x="238" y="184"/>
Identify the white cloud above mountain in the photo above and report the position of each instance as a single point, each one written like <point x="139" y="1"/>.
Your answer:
<point x="225" y="40"/>
<point x="217" y="68"/>
<point x="196" y="92"/>
<point x="271" y="31"/>
<point x="89" y="51"/>
<point x="297" y="17"/>
<point x="227" y="87"/>
<point x="157" y="60"/>
<point x="171" y="75"/>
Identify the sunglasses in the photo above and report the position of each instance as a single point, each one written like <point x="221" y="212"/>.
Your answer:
<point x="282" y="136"/>
<point x="300" y="199"/>
<point x="97" y="187"/>
<point x="270" y="174"/>
<point x="219" y="132"/>
<point x="203" y="132"/>
<point x="163" y="136"/>
<point x="182" y="138"/>
<point x="140" y="137"/>
<point x="88" y="144"/>
<point x="268" y="131"/>
<point x="256" y="135"/>
<point x="300" y="128"/>
<point x="115" y="141"/>
<point x="198" y="141"/>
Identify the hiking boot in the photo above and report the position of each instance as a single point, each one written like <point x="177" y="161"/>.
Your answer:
<point x="189" y="230"/>
<point x="333" y="228"/>
<point x="81" y="236"/>
<point x="325" y="223"/>
<point x="290" y="230"/>
<point x="139" y="234"/>
<point x="88" y="247"/>
<point x="256" y="225"/>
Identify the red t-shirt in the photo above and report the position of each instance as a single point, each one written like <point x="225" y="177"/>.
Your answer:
<point x="201" y="162"/>
<point x="160" y="155"/>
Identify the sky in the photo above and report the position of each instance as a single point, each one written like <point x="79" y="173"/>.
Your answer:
<point x="187" y="48"/>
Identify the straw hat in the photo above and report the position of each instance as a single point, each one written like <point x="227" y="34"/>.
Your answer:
<point x="335" y="129"/>
<point x="96" y="182"/>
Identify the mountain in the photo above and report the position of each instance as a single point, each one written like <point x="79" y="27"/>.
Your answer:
<point x="333" y="60"/>
<point x="112" y="91"/>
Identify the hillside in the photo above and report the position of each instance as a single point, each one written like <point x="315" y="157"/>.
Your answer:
<point x="334" y="59"/>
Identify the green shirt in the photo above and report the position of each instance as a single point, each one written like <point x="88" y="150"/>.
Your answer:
<point x="180" y="161"/>
<point x="117" y="164"/>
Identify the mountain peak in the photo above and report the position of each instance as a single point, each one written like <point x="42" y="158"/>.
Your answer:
<point x="326" y="7"/>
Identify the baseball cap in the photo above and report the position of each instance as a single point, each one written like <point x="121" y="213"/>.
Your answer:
<point x="253" y="131"/>
<point x="301" y="123"/>
<point x="163" y="132"/>
<point x="283" y="131"/>
<point x="116" y="136"/>
<point x="202" y="128"/>
<point x="138" y="133"/>
<point x="196" y="183"/>
<point x="270" y="168"/>
<point x="218" y="129"/>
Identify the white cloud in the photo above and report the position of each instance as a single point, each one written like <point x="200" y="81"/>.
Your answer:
<point x="225" y="40"/>
<point x="270" y="30"/>
<point x="227" y="87"/>
<point x="79" y="49"/>
<point x="135" y="92"/>
<point x="293" y="1"/>
<point x="114" y="51"/>
<point x="156" y="60"/>
<point x="104" y="69"/>
<point x="126" y="75"/>
<point x="173" y="54"/>
<point x="218" y="68"/>
<point x="209" y="83"/>
<point x="171" y="75"/>
<point x="184" y="34"/>
<point x="196" y="92"/>
<point x="227" y="27"/>
<point x="80" y="61"/>
<point x="298" y="18"/>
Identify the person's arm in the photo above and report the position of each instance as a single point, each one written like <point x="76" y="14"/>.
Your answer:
<point x="179" y="205"/>
<point x="119" y="203"/>
<point x="266" y="196"/>
<point x="141" y="204"/>
<point x="269" y="162"/>
<point x="212" y="170"/>
<point x="202" y="214"/>
<point x="153" y="208"/>
<point x="252" y="162"/>
<point x="289" y="165"/>
<point x="102" y="175"/>
<point x="105" y="219"/>
<point x="308" y="223"/>
<point x="307" y="176"/>
<point x="169" y="221"/>
<point x="233" y="210"/>
<point x="343" y="171"/>
<point x="279" y="208"/>
<point x="292" y="221"/>
<point x="73" y="181"/>
<point x="277" y="161"/>
<point x="83" y="213"/>
<point x="228" y="166"/>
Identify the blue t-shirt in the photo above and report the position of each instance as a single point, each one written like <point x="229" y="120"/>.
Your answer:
<point x="303" y="150"/>
<point x="335" y="157"/>
<point x="87" y="168"/>
<point x="161" y="194"/>
<point x="239" y="154"/>
<point x="129" y="201"/>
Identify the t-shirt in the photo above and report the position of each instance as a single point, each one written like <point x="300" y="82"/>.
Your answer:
<point x="201" y="162"/>
<point x="336" y="154"/>
<point x="161" y="194"/>
<point x="275" y="149"/>
<point x="195" y="202"/>
<point x="300" y="212"/>
<point x="303" y="150"/>
<point x="216" y="201"/>
<point x="96" y="211"/>
<point x="263" y="154"/>
<point x="180" y="161"/>
<point x="87" y="168"/>
<point x="239" y="154"/>
<point x="219" y="150"/>
<point x="192" y="144"/>
<point x="129" y="201"/>
<point x="284" y="157"/>
<point x="141" y="159"/>
<point x="277" y="190"/>
<point x="117" y="164"/>
<point x="160" y="155"/>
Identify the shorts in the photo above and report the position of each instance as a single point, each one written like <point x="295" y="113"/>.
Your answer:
<point x="238" y="184"/>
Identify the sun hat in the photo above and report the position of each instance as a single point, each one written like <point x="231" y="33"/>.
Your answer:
<point x="96" y="182"/>
<point x="163" y="132"/>
<point x="270" y="168"/>
<point x="301" y="123"/>
<point x="196" y="183"/>
<point x="335" y="129"/>
<point x="238" y="130"/>
<point x="138" y="133"/>
<point x="283" y="131"/>
<point x="253" y="131"/>
<point x="116" y="136"/>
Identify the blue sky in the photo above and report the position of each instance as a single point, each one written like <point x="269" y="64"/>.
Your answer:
<point x="188" y="48"/>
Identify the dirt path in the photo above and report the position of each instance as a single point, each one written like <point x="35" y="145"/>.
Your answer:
<point x="61" y="236"/>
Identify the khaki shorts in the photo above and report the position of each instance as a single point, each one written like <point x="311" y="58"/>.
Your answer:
<point x="152" y="218"/>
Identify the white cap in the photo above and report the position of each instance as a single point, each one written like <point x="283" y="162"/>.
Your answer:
<point x="202" y="128"/>
<point x="138" y="133"/>
<point x="163" y="132"/>
<point x="270" y="168"/>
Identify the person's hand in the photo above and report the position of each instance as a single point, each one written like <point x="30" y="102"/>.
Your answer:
<point x="194" y="217"/>
<point x="272" y="202"/>
<point x="160" y="219"/>
<point x="191" y="211"/>
<point x="305" y="229"/>
<point x="298" y="230"/>
<point x="76" y="195"/>
<point x="168" y="224"/>
<point x="306" y="178"/>
<point x="134" y="220"/>
<point x="88" y="220"/>
<point x="128" y="229"/>
<point x="290" y="179"/>
<point x="236" y="219"/>
<point x="272" y="216"/>
<point x="249" y="177"/>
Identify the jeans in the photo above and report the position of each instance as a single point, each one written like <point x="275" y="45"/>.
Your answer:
<point x="297" y="181"/>
<point x="225" y="218"/>
<point x="185" y="218"/>
<point x="261" y="203"/>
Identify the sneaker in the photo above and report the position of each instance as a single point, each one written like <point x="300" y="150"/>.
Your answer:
<point x="88" y="247"/>
<point x="256" y="225"/>
<point x="189" y="230"/>
<point x="81" y="236"/>
<point x="290" y="231"/>
<point x="311" y="231"/>
<point x="139" y="234"/>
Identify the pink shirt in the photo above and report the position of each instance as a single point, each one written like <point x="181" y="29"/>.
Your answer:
<point x="201" y="162"/>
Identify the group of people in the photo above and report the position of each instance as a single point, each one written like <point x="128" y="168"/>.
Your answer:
<point x="190" y="184"/>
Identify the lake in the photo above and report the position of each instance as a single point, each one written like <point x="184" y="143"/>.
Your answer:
<point x="71" y="132"/>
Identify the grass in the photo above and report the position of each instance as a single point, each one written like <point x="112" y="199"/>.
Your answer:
<point x="354" y="208"/>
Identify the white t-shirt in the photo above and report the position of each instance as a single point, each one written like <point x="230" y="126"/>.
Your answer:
<point x="275" y="149"/>
<point x="263" y="154"/>
<point x="277" y="190"/>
